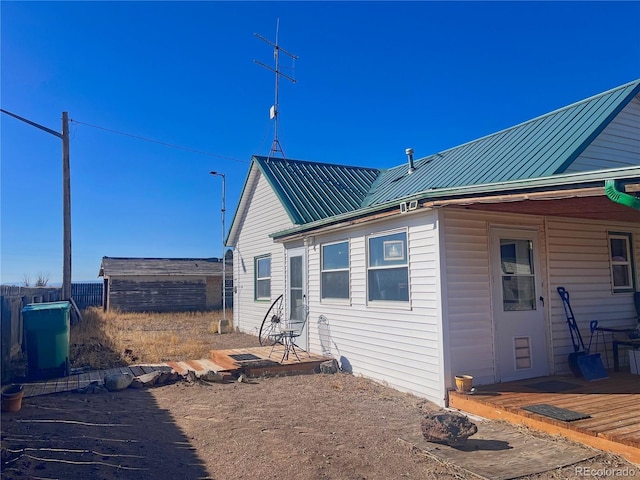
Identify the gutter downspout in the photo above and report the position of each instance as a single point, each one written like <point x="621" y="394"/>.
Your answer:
<point x="622" y="198"/>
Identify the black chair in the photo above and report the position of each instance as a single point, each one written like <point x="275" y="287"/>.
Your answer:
<point x="290" y="330"/>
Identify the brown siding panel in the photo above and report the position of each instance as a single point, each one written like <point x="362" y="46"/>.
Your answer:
<point x="146" y="295"/>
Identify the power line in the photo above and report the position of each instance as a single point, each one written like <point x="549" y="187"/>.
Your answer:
<point x="171" y="145"/>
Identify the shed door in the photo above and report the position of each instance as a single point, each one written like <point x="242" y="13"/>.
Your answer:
<point x="520" y="339"/>
<point x="296" y="288"/>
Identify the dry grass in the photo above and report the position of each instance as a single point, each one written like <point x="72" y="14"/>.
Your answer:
<point x="108" y="339"/>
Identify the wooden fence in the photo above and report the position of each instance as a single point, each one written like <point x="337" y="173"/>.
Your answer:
<point x="87" y="294"/>
<point x="13" y="299"/>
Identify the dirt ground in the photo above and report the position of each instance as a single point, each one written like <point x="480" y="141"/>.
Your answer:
<point x="292" y="427"/>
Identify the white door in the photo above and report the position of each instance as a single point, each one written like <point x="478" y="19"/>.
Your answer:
<point x="518" y="305"/>
<point x="296" y="289"/>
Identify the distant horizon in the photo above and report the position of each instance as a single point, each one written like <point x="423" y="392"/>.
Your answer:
<point x="53" y="284"/>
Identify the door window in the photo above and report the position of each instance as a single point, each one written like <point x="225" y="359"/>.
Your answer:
<point x="518" y="276"/>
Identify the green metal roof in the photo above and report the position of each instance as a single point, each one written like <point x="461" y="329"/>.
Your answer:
<point x="553" y="182"/>
<point x="311" y="191"/>
<point x="544" y="146"/>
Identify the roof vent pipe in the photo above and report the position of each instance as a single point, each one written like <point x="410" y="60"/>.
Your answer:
<point x="409" y="152"/>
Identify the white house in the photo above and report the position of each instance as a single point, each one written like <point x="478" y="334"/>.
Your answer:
<point x="450" y="264"/>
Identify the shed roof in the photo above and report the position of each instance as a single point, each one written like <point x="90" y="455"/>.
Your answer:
<point x="124" y="266"/>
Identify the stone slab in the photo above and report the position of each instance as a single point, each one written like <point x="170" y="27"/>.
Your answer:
<point x="499" y="451"/>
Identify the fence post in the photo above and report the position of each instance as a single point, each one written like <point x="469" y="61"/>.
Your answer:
<point x="5" y="335"/>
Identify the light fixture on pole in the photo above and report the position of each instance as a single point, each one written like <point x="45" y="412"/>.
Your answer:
<point x="224" y="273"/>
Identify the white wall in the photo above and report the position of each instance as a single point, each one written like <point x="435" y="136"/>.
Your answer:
<point x="579" y="261"/>
<point x="468" y="315"/>
<point x="264" y="215"/>
<point x="618" y="145"/>
<point x="400" y="344"/>
<point x="574" y="254"/>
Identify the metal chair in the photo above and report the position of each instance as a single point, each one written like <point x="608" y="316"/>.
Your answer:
<point x="290" y="330"/>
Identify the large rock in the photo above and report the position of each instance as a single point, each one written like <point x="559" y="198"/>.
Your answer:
<point x="145" y="380"/>
<point x="330" y="366"/>
<point x="155" y="378"/>
<point x="212" y="376"/>
<point x="449" y="428"/>
<point x="118" y="381"/>
<point x="93" y="387"/>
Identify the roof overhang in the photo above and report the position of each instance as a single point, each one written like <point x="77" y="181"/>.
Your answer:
<point x="578" y="195"/>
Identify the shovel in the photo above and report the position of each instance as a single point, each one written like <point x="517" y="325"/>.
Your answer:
<point x="581" y="362"/>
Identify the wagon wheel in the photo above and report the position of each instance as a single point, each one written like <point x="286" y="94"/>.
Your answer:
<point x="272" y="323"/>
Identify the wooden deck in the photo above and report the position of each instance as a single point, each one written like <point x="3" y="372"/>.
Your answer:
<point x="613" y="405"/>
<point x="261" y="361"/>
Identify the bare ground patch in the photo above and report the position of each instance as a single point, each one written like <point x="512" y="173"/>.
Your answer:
<point x="292" y="427"/>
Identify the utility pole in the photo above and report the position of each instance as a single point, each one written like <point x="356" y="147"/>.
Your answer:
<point x="273" y="113"/>
<point x="66" y="196"/>
<point x="66" y="210"/>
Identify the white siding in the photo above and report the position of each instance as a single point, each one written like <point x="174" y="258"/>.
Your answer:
<point x="574" y="254"/>
<point x="398" y="345"/>
<point x="618" y="145"/>
<point x="579" y="261"/>
<point x="264" y="215"/>
<point x="469" y="319"/>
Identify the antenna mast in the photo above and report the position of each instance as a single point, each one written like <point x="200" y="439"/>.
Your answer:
<point x="273" y="113"/>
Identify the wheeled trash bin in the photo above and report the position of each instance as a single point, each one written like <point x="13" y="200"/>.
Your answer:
<point x="46" y="327"/>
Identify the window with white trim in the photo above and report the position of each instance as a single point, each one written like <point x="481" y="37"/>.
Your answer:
<point x="388" y="267"/>
<point x="335" y="270"/>
<point x="262" y="284"/>
<point x="621" y="262"/>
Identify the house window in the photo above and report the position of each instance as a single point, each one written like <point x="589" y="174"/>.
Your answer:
<point x="335" y="270"/>
<point x="621" y="262"/>
<point x="388" y="270"/>
<point x="263" y="277"/>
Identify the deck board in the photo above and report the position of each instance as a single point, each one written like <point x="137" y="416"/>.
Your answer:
<point x="612" y="404"/>
<point x="219" y="362"/>
<point x="268" y="363"/>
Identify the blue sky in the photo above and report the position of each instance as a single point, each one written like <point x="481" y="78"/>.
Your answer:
<point x="372" y="79"/>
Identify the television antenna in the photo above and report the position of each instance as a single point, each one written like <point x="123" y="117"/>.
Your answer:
<point x="276" y="147"/>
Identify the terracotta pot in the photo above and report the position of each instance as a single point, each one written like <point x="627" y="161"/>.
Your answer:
<point x="12" y="398"/>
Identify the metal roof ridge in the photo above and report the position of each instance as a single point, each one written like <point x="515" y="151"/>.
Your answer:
<point x="262" y="158"/>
